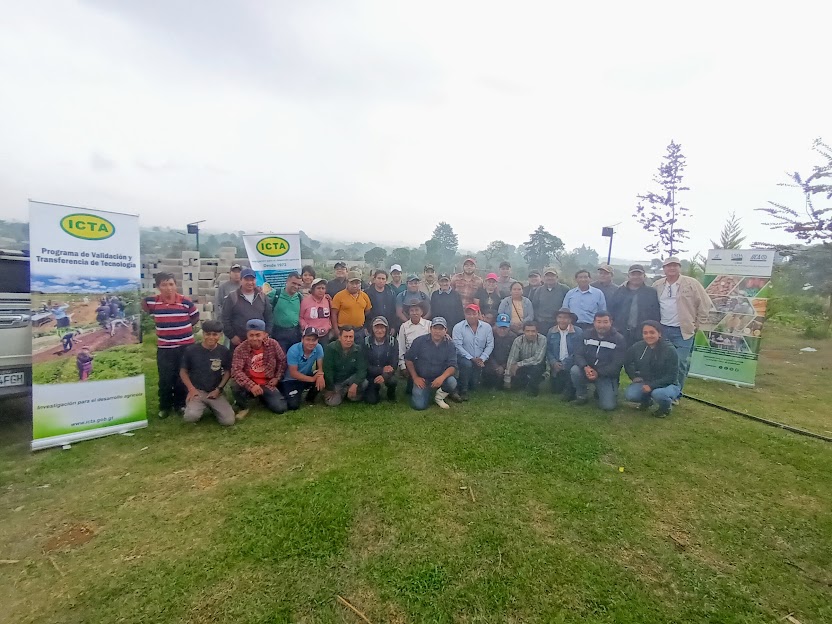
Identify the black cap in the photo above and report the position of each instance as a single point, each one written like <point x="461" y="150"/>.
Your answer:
<point x="310" y="331"/>
<point x="340" y="265"/>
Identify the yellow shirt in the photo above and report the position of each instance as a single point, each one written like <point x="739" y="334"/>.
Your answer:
<point x="352" y="309"/>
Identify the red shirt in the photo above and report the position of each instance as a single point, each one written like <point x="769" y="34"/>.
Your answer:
<point x="257" y="367"/>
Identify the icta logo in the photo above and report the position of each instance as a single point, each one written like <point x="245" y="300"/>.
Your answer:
<point x="87" y="226"/>
<point x="273" y="246"/>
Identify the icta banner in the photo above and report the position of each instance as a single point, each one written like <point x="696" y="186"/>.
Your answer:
<point x="738" y="282"/>
<point x="86" y="357"/>
<point x="273" y="257"/>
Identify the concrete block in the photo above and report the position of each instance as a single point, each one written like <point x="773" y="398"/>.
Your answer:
<point x="208" y="307"/>
<point x="206" y="275"/>
<point x="206" y="283"/>
<point x="206" y="316"/>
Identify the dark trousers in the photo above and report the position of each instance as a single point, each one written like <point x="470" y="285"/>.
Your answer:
<point x="585" y="326"/>
<point x="293" y="392"/>
<point x="492" y="377"/>
<point x="272" y="398"/>
<point x="543" y="327"/>
<point x="562" y="383"/>
<point x="372" y="394"/>
<point x="286" y="336"/>
<point x="528" y="378"/>
<point x="172" y="391"/>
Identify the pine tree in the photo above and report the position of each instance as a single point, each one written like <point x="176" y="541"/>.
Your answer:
<point x="541" y="247"/>
<point x="731" y="235"/>
<point x="442" y="245"/>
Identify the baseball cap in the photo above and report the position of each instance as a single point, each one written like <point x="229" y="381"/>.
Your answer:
<point x="429" y="267"/>
<point x="607" y="268"/>
<point x="491" y="276"/>
<point x="471" y="260"/>
<point x="310" y="331"/>
<point x="636" y="267"/>
<point x="396" y="267"/>
<point x="413" y="278"/>
<point x="316" y="281"/>
<point x="550" y="270"/>
<point x="534" y="273"/>
<point x="353" y="276"/>
<point x="439" y="320"/>
<point x="380" y="320"/>
<point x="257" y="324"/>
<point x="474" y="307"/>
<point x="503" y="320"/>
<point x="444" y="276"/>
<point x="236" y="267"/>
<point x="340" y="265"/>
<point x="672" y="260"/>
<point x="247" y="273"/>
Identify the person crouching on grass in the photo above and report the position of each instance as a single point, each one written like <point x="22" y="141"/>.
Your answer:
<point x="431" y="362"/>
<point x="205" y="370"/>
<point x="382" y="357"/>
<point x="256" y="368"/>
<point x="305" y="370"/>
<point x="84" y="363"/>
<point x="345" y="368"/>
<point x="653" y="365"/>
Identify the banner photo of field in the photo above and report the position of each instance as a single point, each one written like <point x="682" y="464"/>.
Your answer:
<point x="273" y="257"/>
<point x="86" y="352"/>
<point x="726" y="348"/>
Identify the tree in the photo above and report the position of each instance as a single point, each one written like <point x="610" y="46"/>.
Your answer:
<point x="494" y="249"/>
<point x="659" y="213"/>
<point x="731" y="235"/>
<point x="375" y="257"/>
<point x="400" y="255"/>
<point x="339" y="254"/>
<point x="582" y="257"/>
<point x="442" y="245"/>
<point x="541" y="247"/>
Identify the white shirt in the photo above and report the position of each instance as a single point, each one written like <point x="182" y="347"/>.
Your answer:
<point x="564" y="350"/>
<point x="409" y="332"/>
<point x="249" y="297"/>
<point x="669" y="304"/>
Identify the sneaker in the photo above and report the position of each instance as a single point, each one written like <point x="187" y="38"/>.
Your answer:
<point x="675" y="401"/>
<point x="164" y="413"/>
<point x="241" y="414"/>
<point x="579" y="401"/>
<point x="441" y="403"/>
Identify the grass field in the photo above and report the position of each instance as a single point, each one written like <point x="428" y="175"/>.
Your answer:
<point x="714" y="518"/>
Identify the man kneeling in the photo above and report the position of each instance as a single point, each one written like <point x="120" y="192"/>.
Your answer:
<point x="345" y="368"/>
<point x="205" y="370"/>
<point x="431" y="362"/>
<point x="258" y="365"/>
<point x="305" y="370"/>
<point x="598" y="361"/>
<point x="526" y="360"/>
<point x="382" y="358"/>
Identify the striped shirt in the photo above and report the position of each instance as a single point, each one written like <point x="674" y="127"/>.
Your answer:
<point x="174" y="321"/>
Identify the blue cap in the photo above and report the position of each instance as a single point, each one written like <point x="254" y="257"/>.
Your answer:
<point x="247" y="273"/>
<point x="439" y="320"/>
<point x="503" y="320"/>
<point x="257" y="324"/>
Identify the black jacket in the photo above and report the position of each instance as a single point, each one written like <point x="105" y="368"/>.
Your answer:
<point x="447" y="305"/>
<point x="605" y="354"/>
<point x="237" y="311"/>
<point x="379" y="356"/>
<point x="658" y="367"/>
<point x="647" y="300"/>
<point x="384" y="304"/>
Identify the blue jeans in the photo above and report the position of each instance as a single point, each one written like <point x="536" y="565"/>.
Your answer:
<point x="662" y="396"/>
<point x="469" y="375"/>
<point x="420" y="398"/>
<point x="606" y="388"/>
<point x="683" y="347"/>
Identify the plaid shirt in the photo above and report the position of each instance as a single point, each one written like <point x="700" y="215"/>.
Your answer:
<point x="525" y="353"/>
<point x="274" y="362"/>
<point x="466" y="287"/>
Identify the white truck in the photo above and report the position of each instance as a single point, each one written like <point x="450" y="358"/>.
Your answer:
<point x="15" y="325"/>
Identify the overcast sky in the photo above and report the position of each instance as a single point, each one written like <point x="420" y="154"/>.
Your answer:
<point x="376" y="120"/>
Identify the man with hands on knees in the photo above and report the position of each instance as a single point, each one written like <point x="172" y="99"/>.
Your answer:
<point x="257" y="367"/>
<point x="598" y="361"/>
<point x="205" y="370"/>
<point x="431" y="362"/>
<point x="345" y="368"/>
<point x="305" y="370"/>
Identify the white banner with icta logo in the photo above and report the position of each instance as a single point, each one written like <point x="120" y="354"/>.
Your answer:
<point x="86" y="354"/>
<point x="273" y="257"/>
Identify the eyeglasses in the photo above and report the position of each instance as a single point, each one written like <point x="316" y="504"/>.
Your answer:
<point x="669" y="289"/>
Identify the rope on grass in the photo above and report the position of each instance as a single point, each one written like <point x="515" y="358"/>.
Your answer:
<point x="346" y="603"/>
<point x="765" y="421"/>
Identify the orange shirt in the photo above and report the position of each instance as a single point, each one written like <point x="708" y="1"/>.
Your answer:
<point x="352" y="309"/>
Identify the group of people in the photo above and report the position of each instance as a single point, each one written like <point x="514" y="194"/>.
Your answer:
<point x="444" y="335"/>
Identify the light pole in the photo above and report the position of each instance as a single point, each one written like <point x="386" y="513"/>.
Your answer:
<point x="193" y="228"/>
<point x="608" y="231"/>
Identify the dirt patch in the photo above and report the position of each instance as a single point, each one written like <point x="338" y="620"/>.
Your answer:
<point x="97" y="341"/>
<point x="74" y="536"/>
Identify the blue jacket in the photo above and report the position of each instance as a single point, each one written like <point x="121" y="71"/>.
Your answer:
<point x="574" y="340"/>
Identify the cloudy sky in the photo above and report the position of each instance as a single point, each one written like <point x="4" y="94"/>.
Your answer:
<point x="376" y="120"/>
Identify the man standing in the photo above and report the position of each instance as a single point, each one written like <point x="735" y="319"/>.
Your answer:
<point x="396" y="284"/>
<point x="226" y="288"/>
<point x="534" y="283"/>
<point x="467" y="283"/>
<point x="684" y="306"/>
<point x="633" y="303"/>
<point x="257" y="367"/>
<point x="382" y="299"/>
<point x="246" y="303"/>
<point x="410" y="297"/>
<point x="564" y="340"/>
<point x="350" y="308"/>
<point x="547" y="300"/>
<point x="526" y="361"/>
<point x="339" y="282"/>
<point x="305" y="370"/>
<point x="345" y="368"/>
<point x="474" y="342"/>
<point x="431" y="362"/>
<point x="604" y="282"/>
<point x="206" y="368"/>
<point x="446" y="302"/>
<point x="598" y="360"/>
<point x="495" y="366"/>
<point x="174" y="316"/>
<point x="429" y="285"/>
<point x="585" y="300"/>
<point x="285" y="303"/>
<point x="505" y="280"/>
<point x="382" y="360"/>
<point x="416" y="326"/>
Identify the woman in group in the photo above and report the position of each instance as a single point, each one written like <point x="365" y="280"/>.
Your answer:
<point x="316" y="311"/>
<point x="518" y="308"/>
<point x="653" y="365"/>
<point x="307" y="276"/>
<point x="488" y="297"/>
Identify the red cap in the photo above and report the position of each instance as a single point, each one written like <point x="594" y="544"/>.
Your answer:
<point x="492" y="276"/>
<point x="474" y="307"/>
<point x="471" y="260"/>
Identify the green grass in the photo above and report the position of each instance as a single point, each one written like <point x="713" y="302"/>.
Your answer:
<point x="107" y="364"/>
<point x="714" y="518"/>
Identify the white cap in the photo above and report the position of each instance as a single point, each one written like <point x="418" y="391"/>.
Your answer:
<point x="396" y="267"/>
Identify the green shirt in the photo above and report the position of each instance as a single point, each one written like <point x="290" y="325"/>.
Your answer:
<point x="344" y="368"/>
<point x="285" y="308"/>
